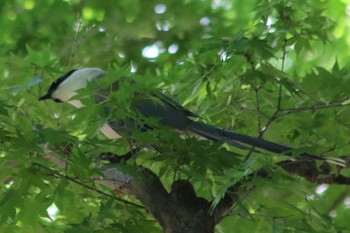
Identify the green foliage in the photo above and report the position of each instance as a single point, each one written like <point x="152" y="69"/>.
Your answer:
<point x="278" y="64"/>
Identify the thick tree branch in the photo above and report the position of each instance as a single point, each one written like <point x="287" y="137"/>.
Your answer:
<point x="180" y="210"/>
<point x="177" y="211"/>
<point x="309" y="170"/>
<point x="306" y="168"/>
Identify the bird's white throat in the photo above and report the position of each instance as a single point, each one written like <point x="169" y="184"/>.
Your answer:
<point x="78" y="80"/>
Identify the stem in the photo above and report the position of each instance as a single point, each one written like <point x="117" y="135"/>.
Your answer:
<point x="279" y="101"/>
<point x="257" y="102"/>
<point x="58" y="175"/>
<point x="75" y="41"/>
<point x="312" y="107"/>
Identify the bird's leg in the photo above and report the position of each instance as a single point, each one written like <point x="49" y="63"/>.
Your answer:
<point x="134" y="149"/>
<point x="114" y="158"/>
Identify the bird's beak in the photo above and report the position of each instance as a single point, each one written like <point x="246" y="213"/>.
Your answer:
<point x="102" y="74"/>
<point x="45" y="97"/>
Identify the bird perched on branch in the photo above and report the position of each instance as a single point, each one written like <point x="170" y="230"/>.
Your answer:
<point x="165" y="109"/>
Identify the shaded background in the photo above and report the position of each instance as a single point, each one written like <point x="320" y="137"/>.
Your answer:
<point x="201" y="52"/>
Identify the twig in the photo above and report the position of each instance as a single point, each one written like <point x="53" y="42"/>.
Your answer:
<point x="269" y="122"/>
<point x="309" y="108"/>
<point x="279" y="101"/>
<point x="58" y="175"/>
<point x="285" y="112"/>
<point x="307" y="169"/>
<point x="262" y="130"/>
<point x="255" y="111"/>
<point x="339" y="200"/>
<point x="76" y="42"/>
<point x="257" y="102"/>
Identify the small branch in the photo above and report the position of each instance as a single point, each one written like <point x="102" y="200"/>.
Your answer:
<point x="339" y="200"/>
<point x="257" y="102"/>
<point x="306" y="168"/>
<point x="285" y="112"/>
<point x="76" y="42"/>
<point x="254" y="111"/>
<point x="113" y="179"/>
<point x="58" y="175"/>
<point x="279" y="113"/>
<point x="205" y="74"/>
<point x="279" y="101"/>
<point x="269" y="122"/>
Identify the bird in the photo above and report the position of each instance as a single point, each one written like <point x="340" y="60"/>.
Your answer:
<point x="162" y="107"/>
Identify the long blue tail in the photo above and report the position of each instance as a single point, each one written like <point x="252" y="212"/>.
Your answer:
<point x="233" y="138"/>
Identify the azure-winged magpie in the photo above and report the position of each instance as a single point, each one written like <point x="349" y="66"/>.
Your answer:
<point x="168" y="111"/>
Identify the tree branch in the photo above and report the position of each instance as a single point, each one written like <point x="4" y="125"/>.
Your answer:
<point x="285" y="112"/>
<point x="178" y="211"/>
<point x="116" y="179"/>
<point x="306" y="168"/>
<point x="279" y="101"/>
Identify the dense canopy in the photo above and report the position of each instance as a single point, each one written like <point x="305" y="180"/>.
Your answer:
<point x="274" y="69"/>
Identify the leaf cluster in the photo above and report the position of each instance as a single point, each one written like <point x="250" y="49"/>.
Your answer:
<point x="276" y="69"/>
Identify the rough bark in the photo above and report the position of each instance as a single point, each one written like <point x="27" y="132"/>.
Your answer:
<point x="178" y="211"/>
<point x="181" y="210"/>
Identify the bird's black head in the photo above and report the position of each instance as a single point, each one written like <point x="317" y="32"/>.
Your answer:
<point x="54" y="86"/>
